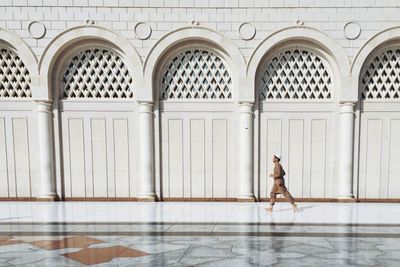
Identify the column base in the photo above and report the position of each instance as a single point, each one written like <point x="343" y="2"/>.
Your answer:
<point x="147" y="198"/>
<point x="49" y="198"/>
<point x="246" y="198"/>
<point x="347" y="198"/>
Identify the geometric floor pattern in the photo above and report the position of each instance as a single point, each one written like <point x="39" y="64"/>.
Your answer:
<point x="307" y="238"/>
<point x="191" y="250"/>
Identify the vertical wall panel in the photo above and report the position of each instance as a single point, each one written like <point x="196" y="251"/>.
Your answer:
<point x="97" y="152"/>
<point x="3" y="160"/>
<point x="219" y="148"/>
<point x="318" y="158"/>
<point x="109" y="132"/>
<point x="295" y="163"/>
<point x="88" y="152"/>
<point x="307" y="136"/>
<point x="302" y="140"/>
<point x="99" y="157"/>
<point x="121" y="157"/>
<point x="65" y="172"/>
<point x="186" y="155"/>
<point x="76" y="157"/>
<point x="394" y="160"/>
<point x="21" y="156"/>
<point x="373" y="158"/>
<point x="164" y="164"/>
<point x="195" y="156"/>
<point x="175" y="155"/>
<point x="197" y="160"/>
<point x="134" y="156"/>
<point x="209" y="157"/>
<point x="384" y="166"/>
<point x="274" y="143"/>
<point x="12" y="186"/>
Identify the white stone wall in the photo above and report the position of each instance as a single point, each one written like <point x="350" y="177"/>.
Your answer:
<point x="329" y="16"/>
<point x="244" y="35"/>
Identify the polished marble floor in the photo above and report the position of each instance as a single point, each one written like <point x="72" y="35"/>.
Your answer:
<point x="198" y="234"/>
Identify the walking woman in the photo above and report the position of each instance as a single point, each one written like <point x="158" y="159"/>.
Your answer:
<point x="279" y="184"/>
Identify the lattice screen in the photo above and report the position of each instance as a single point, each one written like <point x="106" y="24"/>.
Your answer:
<point x="96" y="73"/>
<point x="381" y="77"/>
<point x="296" y="74"/>
<point x="196" y="74"/>
<point x="15" y="81"/>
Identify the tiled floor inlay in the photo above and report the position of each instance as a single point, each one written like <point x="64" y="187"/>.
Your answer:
<point x="153" y="235"/>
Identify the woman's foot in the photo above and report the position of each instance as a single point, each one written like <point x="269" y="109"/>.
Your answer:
<point x="269" y="209"/>
<point x="294" y="208"/>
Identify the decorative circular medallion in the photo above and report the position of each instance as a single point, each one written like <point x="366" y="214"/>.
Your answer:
<point x="37" y="29"/>
<point x="142" y="31"/>
<point x="352" y="30"/>
<point x="247" y="31"/>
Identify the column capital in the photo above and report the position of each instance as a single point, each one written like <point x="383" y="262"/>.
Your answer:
<point x="246" y="103"/>
<point x="43" y="101"/>
<point x="349" y="102"/>
<point x="246" y="107"/>
<point x="146" y="107"/>
<point x="347" y="107"/>
<point x="43" y="106"/>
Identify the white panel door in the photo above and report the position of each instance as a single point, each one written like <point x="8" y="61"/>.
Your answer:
<point x="305" y="142"/>
<point x="196" y="159"/>
<point x="99" y="154"/>
<point x="379" y="171"/>
<point x="19" y="156"/>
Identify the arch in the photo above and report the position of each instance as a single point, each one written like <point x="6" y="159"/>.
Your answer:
<point x="204" y="72"/>
<point x="25" y="53"/>
<point x="93" y="73"/>
<point x="189" y="34"/>
<point x="78" y="34"/>
<point x="295" y="73"/>
<point x="314" y="38"/>
<point x="22" y="49"/>
<point x="376" y="42"/>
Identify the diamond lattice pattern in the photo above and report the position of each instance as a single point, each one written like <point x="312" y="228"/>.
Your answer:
<point x="196" y="74"/>
<point x="15" y="81"/>
<point x="381" y="77"/>
<point x="296" y="74"/>
<point x="96" y="73"/>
